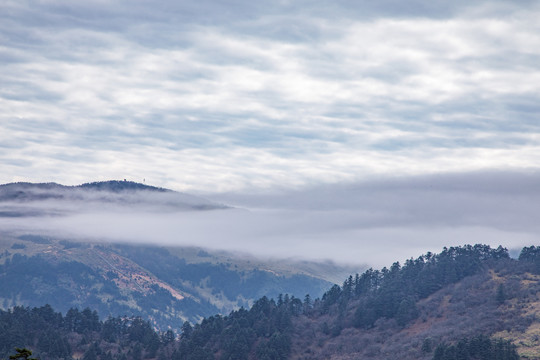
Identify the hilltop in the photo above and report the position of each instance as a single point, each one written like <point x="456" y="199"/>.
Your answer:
<point x="51" y="199"/>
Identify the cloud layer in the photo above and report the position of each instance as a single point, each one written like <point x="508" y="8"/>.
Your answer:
<point x="206" y="96"/>
<point x="374" y="223"/>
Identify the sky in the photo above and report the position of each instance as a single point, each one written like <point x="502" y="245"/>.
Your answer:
<point x="282" y="107"/>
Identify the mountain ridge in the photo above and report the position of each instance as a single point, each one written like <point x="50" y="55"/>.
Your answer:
<point x="15" y="189"/>
<point x="22" y="199"/>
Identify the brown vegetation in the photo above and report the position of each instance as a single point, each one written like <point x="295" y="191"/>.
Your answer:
<point x="459" y="310"/>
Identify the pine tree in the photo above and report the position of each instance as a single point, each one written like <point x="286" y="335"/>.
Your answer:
<point x="22" y="354"/>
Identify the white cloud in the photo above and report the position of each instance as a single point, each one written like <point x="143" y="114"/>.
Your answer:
<point x="263" y="98"/>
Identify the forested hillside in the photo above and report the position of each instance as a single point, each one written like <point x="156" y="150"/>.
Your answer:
<point x="146" y="281"/>
<point x="411" y="309"/>
<point x="470" y="302"/>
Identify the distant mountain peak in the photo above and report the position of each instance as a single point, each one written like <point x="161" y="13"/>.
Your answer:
<point x="30" y="199"/>
<point x="119" y="185"/>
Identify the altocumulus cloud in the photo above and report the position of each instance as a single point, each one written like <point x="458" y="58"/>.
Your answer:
<point x="205" y="96"/>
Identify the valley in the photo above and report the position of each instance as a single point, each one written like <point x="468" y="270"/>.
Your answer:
<point x="122" y="279"/>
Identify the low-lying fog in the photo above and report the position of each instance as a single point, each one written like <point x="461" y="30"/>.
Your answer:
<point x="374" y="222"/>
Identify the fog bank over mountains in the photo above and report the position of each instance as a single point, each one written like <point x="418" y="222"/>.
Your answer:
<point x="48" y="199"/>
<point x="374" y="222"/>
<point x="394" y="217"/>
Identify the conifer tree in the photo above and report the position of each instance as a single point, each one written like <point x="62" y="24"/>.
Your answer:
<point x="23" y="353"/>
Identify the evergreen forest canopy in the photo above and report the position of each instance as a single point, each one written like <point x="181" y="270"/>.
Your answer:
<point x="266" y="330"/>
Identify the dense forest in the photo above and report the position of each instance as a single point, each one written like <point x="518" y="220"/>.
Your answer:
<point x="477" y="348"/>
<point x="389" y="299"/>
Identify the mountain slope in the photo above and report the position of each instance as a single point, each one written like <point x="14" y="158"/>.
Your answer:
<point x="145" y="281"/>
<point x="478" y="304"/>
<point x="467" y="296"/>
<point x="467" y="292"/>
